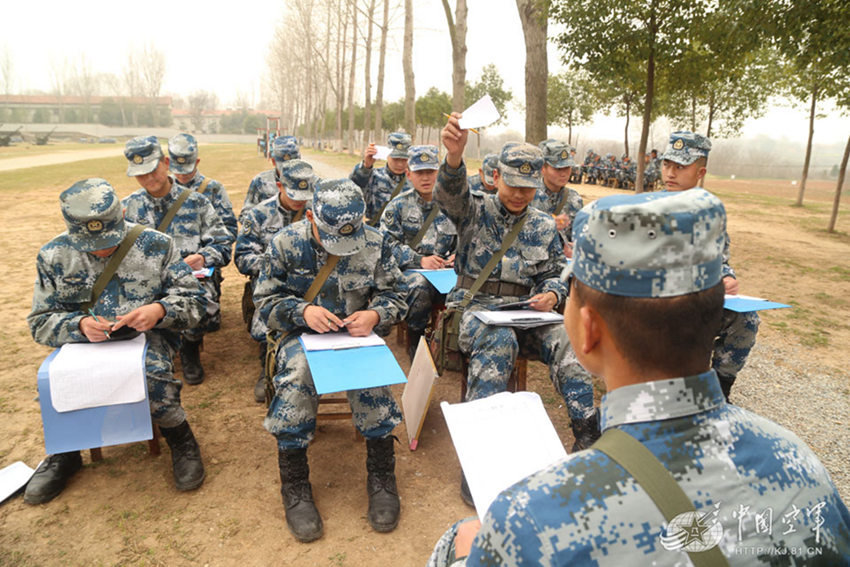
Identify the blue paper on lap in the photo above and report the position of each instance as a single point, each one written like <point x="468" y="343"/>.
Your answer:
<point x="444" y="280"/>
<point x="745" y="304"/>
<point x="353" y="368"/>
<point x="92" y="427"/>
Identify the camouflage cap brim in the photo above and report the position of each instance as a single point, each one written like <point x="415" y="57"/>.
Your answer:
<point x="684" y="156"/>
<point x="145" y="166"/>
<point x="186" y="167"/>
<point x="339" y="245"/>
<point x="513" y="177"/>
<point x="84" y="241"/>
<point x="299" y="194"/>
<point x="418" y="166"/>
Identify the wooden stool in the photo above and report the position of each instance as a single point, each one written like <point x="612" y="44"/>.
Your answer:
<point x="516" y="383"/>
<point x="96" y="453"/>
<point x="337" y="414"/>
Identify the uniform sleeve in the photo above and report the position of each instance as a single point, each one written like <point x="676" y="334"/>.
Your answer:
<point x="726" y="269"/>
<point x="255" y="193"/>
<point x="361" y="175"/>
<point x="548" y="278"/>
<point x="452" y="193"/>
<point x="224" y="208"/>
<point x="388" y="299"/>
<point x="392" y="226"/>
<point x="248" y="255"/>
<point x="216" y="241"/>
<point x="574" y="205"/>
<point x="52" y="321"/>
<point x="278" y="306"/>
<point x="183" y="299"/>
<point x="508" y="536"/>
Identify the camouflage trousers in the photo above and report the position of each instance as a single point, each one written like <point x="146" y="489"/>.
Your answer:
<point x="733" y="344"/>
<point x="492" y="352"/>
<point x="163" y="388"/>
<point x="420" y="299"/>
<point x="212" y="317"/>
<point x="291" y="416"/>
<point x="443" y="554"/>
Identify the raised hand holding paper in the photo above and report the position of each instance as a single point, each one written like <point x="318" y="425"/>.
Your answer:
<point x="482" y="113"/>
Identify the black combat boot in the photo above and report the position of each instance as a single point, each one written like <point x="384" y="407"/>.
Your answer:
<point x="586" y="431"/>
<point x="413" y="343"/>
<point x="185" y="456"/>
<point x="302" y="517"/>
<point x="51" y="476"/>
<point x="384" y="505"/>
<point x="190" y="358"/>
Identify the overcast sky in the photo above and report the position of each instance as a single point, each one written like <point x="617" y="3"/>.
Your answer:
<point x="223" y="50"/>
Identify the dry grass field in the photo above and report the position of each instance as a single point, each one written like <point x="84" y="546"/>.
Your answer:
<point x="124" y="510"/>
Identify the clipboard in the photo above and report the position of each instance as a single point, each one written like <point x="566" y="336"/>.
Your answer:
<point x="416" y="397"/>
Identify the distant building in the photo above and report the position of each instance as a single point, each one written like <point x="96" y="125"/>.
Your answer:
<point x="108" y="110"/>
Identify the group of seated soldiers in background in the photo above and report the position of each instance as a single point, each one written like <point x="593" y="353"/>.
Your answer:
<point x="620" y="173"/>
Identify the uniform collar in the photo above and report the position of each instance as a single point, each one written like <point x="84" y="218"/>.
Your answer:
<point x="661" y="399"/>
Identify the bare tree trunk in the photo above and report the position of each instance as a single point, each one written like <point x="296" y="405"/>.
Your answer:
<point x="841" y="172"/>
<point x="650" y="93"/>
<point x="340" y="96"/>
<point x="457" y="33"/>
<point x="367" y="110"/>
<point x="805" y="175"/>
<point x="534" y="16"/>
<point x="382" y="56"/>
<point x="407" y="62"/>
<point x="628" y="119"/>
<point x="351" y="74"/>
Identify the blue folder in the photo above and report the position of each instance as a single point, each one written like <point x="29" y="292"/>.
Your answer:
<point x="745" y="305"/>
<point x="444" y="280"/>
<point x="90" y="427"/>
<point x="353" y="368"/>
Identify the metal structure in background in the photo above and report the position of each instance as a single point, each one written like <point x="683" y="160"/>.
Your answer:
<point x="265" y="138"/>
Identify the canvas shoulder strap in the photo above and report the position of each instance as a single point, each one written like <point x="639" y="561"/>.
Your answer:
<point x="561" y="202"/>
<point x="657" y="482"/>
<point x="429" y="220"/>
<point x="494" y="259"/>
<point x="377" y="218"/>
<point x="112" y="265"/>
<point x="204" y="184"/>
<point x="172" y="211"/>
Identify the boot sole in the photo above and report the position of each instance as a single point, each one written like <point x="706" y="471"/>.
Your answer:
<point x="194" y="381"/>
<point x="384" y="528"/>
<point x="306" y="538"/>
<point x="191" y="486"/>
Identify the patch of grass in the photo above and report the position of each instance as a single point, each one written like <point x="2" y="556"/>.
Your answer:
<point x="840" y="273"/>
<point x="337" y="558"/>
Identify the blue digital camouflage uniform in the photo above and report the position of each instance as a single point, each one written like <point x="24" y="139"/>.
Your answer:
<point x="264" y="184"/>
<point x="152" y="271"/>
<point x="378" y="184"/>
<point x="557" y="154"/>
<point x="488" y="164"/>
<point x="738" y="330"/>
<point x="368" y="278"/>
<point x="764" y="497"/>
<point x="402" y="220"/>
<point x="530" y="266"/>
<point x="196" y="228"/>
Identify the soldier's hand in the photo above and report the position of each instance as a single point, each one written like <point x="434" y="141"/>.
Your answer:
<point x="361" y="323"/>
<point x="432" y="263"/>
<point x="142" y="318"/>
<point x="466" y="533"/>
<point x="95" y="331"/>
<point x="369" y="158"/>
<point x="568" y="249"/>
<point x="544" y="301"/>
<point x="562" y="221"/>
<point x="731" y="285"/>
<point x="195" y="261"/>
<point x="454" y="139"/>
<point x="321" y="320"/>
<point x="450" y="261"/>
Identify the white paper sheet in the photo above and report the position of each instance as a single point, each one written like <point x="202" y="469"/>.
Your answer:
<point x="521" y="318"/>
<point x="417" y="392"/>
<point x="338" y="341"/>
<point x="87" y="375"/>
<point x="500" y="440"/>
<point x="750" y="297"/>
<point x="383" y="152"/>
<point x="13" y="477"/>
<point x="482" y="113"/>
<point x="203" y="273"/>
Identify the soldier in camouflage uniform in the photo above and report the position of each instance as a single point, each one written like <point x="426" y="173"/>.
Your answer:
<point x="152" y="292"/>
<point x="683" y="165"/>
<point x="554" y="197"/>
<point x="259" y="225"/>
<point x="264" y="184"/>
<point x="364" y="291"/>
<point x="402" y="220"/>
<point x="199" y="235"/>
<point x="650" y="172"/>
<point x="575" y="173"/>
<point x="530" y="269"/>
<point x="646" y="267"/>
<point x="591" y="167"/>
<point x="626" y="173"/>
<point x="483" y="181"/>
<point x="378" y="185"/>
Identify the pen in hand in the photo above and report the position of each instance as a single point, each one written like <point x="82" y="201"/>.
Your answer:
<point x="91" y="312"/>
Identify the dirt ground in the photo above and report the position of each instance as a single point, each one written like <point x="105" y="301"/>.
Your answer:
<point x="124" y="510"/>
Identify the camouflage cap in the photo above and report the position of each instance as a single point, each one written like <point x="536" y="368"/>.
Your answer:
<point x="183" y="153"/>
<point x="557" y="153"/>
<point x="93" y="214"/>
<point x="143" y="153"/>
<point x="686" y="147"/>
<point x="650" y="244"/>
<point x="423" y="157"/>
<point x="285" y="148"/>
<point x="520" y="164"/>
<point x="399" y="142"/>
<point x="297" y="178"/>
<point x="338" y="209"/>
<point x="491" y="162"/>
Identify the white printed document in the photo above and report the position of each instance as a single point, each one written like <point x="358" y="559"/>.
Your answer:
<point x="13" y="478"/>
<point x="88" y="375"/>
<point x="383" y="152"/>
<point x="482" y="113"/>
<point x="338" y="341"/>
<point x="520" y="318"/>
<point x="500" y="440"/>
